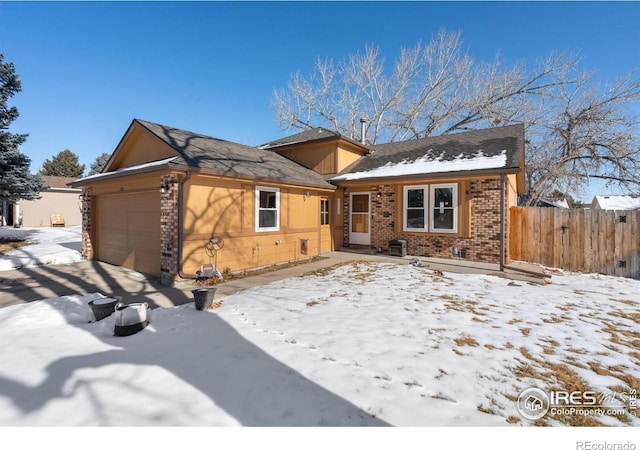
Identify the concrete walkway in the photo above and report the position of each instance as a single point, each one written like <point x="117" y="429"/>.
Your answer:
<point x="30" y="284"/>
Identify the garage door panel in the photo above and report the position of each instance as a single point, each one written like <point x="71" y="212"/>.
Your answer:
<point x="128" y="231"/>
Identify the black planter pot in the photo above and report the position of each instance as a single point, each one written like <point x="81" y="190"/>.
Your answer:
<point x="104" y="307"/>
<point x="204" y="298"/>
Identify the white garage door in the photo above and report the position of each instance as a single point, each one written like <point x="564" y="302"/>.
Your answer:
<point x="128" y="231"/>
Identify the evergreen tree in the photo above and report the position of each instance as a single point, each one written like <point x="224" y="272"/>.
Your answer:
<point x="16" y="183"/>
<point x="64" y="164"/>
<point x="99" y="163"/>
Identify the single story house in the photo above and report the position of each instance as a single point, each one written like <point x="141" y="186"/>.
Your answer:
<point x="168" y="198"/>
<point x="616" y="202"/>
<point x="59" y="204"/>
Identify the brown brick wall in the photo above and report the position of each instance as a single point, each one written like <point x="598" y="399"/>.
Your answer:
<point x="481" y="244"/>
<point x="169" y="229"/>
<point x="87" y="226"/>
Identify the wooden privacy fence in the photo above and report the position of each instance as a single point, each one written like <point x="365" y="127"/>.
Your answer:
<point x="579" y="240"/>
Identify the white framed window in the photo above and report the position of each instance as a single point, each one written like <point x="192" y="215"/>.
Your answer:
<point x="444" y="208"/>
<point x="324" y="211"/>
<point x="267" y="209"/>
<point x="415" y="208"/>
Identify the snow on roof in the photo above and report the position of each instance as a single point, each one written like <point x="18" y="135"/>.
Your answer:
<point x="558" y="202"/>
<point x="616" y="202"/>
<point x="429" y="164"/>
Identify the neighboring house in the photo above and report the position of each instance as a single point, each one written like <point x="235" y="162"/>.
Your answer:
<point x="58" y="200"/>
<point x="616" y="202"/>
<point x="166" y="193"/>
<point x="553" y="203"/>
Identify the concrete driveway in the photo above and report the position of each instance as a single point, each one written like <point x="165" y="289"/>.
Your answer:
<point x="37" y="283"/>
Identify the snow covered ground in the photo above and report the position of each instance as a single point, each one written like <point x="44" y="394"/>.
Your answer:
<point x="55" y="245"/>
<point x="363" y="344"/>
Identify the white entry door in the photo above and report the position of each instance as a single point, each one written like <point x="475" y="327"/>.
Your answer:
<point x="360" y="218"/>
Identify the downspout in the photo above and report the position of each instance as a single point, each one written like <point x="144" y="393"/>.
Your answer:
<point x="181" y="274"/>
<point x="502" y="216"/>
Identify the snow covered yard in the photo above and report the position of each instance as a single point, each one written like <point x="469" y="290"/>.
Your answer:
<point x="55" y="245"/>
<point x="363" y="344"/>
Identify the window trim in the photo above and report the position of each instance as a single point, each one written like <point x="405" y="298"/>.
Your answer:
<point x="454" y="208"/>
<point x="429" y="190"/>
<point x="325" y="214"/>
<point x="259" y="189"/>
<point x="425" y="189"/>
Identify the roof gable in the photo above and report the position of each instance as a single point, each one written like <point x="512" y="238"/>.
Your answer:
<point x="313" y="134"/>
<point x="225" y="158"/>
<point x="137" y="146"/>
<point x="495" y="149"/>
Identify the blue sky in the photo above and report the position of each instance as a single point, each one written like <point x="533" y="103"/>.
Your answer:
<point x="89" y="68"/>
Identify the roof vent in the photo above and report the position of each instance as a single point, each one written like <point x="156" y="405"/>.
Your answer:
<point x="363" y="136"/>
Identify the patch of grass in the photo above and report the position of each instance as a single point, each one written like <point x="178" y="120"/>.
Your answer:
<point x="632" y="316"/>
<point x="625" y="301"/>
<point x="485" y="410"/>
<point x="513" y="419"/>
<point x="9" y="244"/>
<point x="312" y="303"/>
<point x="551" y="342"/>
<point x="525" y="371"/>
<point x="466" y="340"/>
<point x="579" y="351"/>
<point x="525" y="331"/>
<point x="554" y="319"/>
<point x="616" y="372"/>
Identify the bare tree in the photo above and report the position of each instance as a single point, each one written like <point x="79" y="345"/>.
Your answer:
<point x="439" y="88"/>
<point x="586" y="133"/>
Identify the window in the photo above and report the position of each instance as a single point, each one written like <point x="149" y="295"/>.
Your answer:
<point x="431" y="208"/>
<point x="444" y="201"/>
<point x="415" y="206"/>
<point x="267" y="209"/>
<point x="324" y="211"/>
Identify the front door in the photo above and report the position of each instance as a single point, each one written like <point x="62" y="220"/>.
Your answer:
<point x="360" y="218"/>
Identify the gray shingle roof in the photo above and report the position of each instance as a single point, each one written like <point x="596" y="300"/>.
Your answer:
<point x="305" y="136"/>
<point x="498" y="149"/>
<point x="234" y="160"/>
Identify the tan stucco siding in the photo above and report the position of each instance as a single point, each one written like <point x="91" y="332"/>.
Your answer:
<point x="317" y="157"/>
<point x="345" y="157"/>
<point x="226" y="208"/>
<point x="37" y="213"/>
<point x="148" y="181"/>
<point x="147" y="148"/>
<point x="324" y="157"/>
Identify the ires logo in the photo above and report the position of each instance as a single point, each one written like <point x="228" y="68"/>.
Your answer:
<point x="575" y="398"/>
<point x="534" y="403"/>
